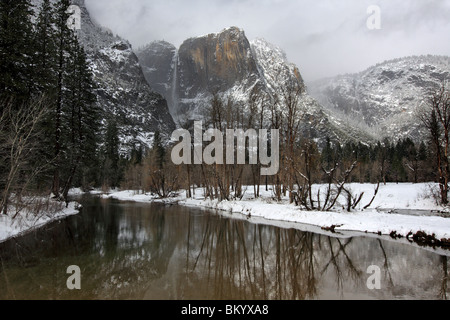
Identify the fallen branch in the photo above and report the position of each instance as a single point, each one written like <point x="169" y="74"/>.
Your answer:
<point x="374" y="196"/>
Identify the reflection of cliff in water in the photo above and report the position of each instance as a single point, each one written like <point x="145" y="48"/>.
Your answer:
<point x="120" y="249"/>
<point x="142" y="251"/>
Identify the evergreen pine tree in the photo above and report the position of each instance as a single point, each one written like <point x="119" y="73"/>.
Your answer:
<point x="16" y="80"/>
<point x="45" y="59"/>
<point x="45" y="49"/>
<point x="327" y="155"/>
<point x="45" y="78"/>
<point x="89" y="118"/>
<point x="82" y="118"/>
<point x="63" y="38"/>
<point x="16" y="32"/>
<point x="423" y="152"/>
<point x="111" y="155"/>
<point x="158" y="150"/>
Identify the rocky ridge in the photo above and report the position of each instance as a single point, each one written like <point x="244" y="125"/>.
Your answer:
<point x="385" y="97"/>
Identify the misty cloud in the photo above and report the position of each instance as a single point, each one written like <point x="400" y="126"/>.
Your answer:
<point x="323" y="37"/>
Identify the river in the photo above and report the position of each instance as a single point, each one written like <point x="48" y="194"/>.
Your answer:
<point x="141" y="251"/>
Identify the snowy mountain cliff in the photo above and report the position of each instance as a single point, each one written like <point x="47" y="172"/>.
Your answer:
<point x="385" y="97"/>
<point x="122" y="90"/>
<point x="159" y="85"/>
<point x="229" y="64"/>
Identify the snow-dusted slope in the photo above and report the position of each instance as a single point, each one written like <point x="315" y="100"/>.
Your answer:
<point x="277" y="73"/>
<point x="274" y="68"/>
<point x="386" y="96"/>
<point x="122" y="90"/>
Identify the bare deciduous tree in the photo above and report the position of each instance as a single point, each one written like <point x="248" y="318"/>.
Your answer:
<point x="435" y="116"/>
<point x="20" y="133"/>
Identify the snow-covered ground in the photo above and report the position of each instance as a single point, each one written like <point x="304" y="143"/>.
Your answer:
<point x="26" y="221"/>
<point x="401" y="208"/>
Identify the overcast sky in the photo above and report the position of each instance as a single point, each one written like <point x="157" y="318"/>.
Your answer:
<point x="322" y="37"/>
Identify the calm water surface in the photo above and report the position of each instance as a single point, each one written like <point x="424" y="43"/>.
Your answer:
<point x="151" y="251"/>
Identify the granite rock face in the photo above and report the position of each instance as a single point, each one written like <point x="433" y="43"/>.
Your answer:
<point x="158" y="62"/>
<point x="215" y="61"/>
<point x="228" y="64"/>
<point x="201" y="66"/>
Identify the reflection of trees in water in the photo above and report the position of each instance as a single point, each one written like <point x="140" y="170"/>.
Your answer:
<point x="147" y="240"/>
<point x="244" y="261"/>
<point x="295" y="265"/>
<point x="126" y="251"/>
<point x="444" y="283"/>
<point x="232" y="259"/>
<point x="341" y="262"/>
<point x="119" y="255"/>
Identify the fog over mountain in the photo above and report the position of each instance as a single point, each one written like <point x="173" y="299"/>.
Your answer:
<point x="324" y="38"/>
<point x="185" y="71"/>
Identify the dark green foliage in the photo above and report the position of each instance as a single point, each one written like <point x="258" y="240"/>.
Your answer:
<point x="44" y="59"/>
<point x="403" y="161"/>
<point x="112" y="163"/>
<point x="328" y="155"/>
<point x="44" y="42"/>
<point x="158" y="150"/>
<point x="16" y="33"/>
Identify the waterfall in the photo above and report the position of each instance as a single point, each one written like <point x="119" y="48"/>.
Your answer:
<point x="174" y="95"/>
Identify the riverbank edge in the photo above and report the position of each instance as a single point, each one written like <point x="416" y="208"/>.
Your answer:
<point x="425" y="230"/>
<point x="430" y="230"/>
<point x="23" y="225"/>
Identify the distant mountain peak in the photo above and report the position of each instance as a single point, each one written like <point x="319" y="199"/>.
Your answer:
<point x="386" y="95"/>
<point x="232" y="31"/>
